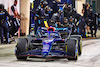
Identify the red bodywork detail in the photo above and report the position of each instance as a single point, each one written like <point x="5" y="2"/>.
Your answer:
<point x="51" y="28"/>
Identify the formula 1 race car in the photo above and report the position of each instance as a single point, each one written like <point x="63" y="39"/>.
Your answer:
<point x="49" y="43"/>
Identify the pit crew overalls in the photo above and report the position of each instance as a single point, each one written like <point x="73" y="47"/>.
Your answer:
<point x="4" y="31"/>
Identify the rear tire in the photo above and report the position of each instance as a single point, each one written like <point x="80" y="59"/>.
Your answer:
<point x="20" y="48"/>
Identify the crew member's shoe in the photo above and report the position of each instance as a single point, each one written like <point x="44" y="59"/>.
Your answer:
<point x="92" y="36"/>
<point x="95" y="35"/>
<point x="5" y="42"/>
<point x="1" y="43"/>
<point x="88" y="33"/>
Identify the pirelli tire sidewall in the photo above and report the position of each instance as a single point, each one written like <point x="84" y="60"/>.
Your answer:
<point x="22" y="45"/>
<point x="72" y="48"/>
<point x="79" y="38"/>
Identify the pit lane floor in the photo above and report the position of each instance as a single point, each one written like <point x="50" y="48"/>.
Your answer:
<point x="90" y="57"/>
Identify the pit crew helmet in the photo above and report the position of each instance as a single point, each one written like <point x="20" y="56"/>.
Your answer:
<point x="1" y="6"/>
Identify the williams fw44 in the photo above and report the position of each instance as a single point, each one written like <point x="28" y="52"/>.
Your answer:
<point x="49" y="43"/>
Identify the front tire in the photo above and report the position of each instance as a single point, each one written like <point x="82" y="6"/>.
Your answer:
<point x="20" y="48"/>
<point x="72" y="48"/>
<point x="79" y="38"/>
